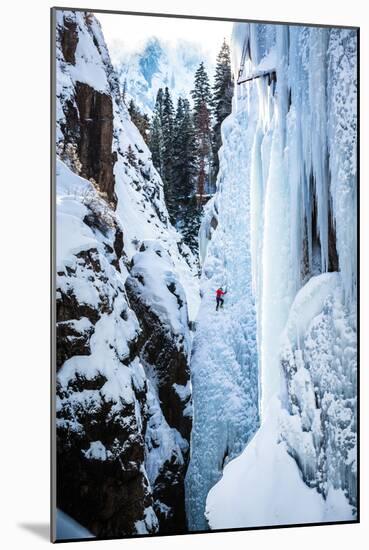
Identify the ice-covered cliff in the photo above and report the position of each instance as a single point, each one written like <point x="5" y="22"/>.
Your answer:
<point x="123" y="385"/>
<point x="294" y="120"/>
<point x="224" y="360"/>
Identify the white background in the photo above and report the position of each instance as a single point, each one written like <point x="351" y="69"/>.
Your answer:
<point x="24" y="271"/>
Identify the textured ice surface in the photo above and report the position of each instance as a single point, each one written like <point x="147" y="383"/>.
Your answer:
<point x="302" y="162"/>
<point x="319" y="359"/>
<point x="224" y="367"/>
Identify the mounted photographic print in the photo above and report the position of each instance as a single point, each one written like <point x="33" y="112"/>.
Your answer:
<point x="204" y="319"/>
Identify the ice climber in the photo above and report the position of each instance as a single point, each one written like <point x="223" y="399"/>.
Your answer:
<point x="220" y="301"/>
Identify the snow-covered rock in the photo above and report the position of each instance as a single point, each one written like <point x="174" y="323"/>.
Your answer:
<point x="101" y="386"/>
<point x="121" y="452"/>
<point x="159" y="301"/>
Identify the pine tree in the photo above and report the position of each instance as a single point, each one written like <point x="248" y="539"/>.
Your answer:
<point x="204" y="131"/>
<point x="184" y="151"/>
<point x="188" y="149"/>
<point x="222" y="99"/>
<point x="201" y="179"/>
<point x="201" y="94"/>
<point x="132" y="109"/>
<point x="167" y="147"/>
<point x="178" y="142"/>
<point x="140" y="120"/>
<point x="124" y="91"/>
<point x="174" y="145"/>
<point x="186" y="215"/>
<point x="156" y="133"/>
<point x="159" y="104"/>
<point x="131" y="156"/>
<point x="202" y="108"/>
<point x="179" y="115"/>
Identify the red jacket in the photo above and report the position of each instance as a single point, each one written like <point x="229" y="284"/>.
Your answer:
<point x="219" y="293"/>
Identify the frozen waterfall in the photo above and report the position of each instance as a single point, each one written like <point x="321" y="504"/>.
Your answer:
<point x="284" y="215"/>
<point x="224" y="366"/>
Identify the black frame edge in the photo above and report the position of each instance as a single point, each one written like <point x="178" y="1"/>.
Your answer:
<point x="205" y="17"/>
<point x="53" y="274"/>
<point x="358" y="272"/>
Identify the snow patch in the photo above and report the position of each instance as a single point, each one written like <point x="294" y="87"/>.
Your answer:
<point x="263" y="486"/>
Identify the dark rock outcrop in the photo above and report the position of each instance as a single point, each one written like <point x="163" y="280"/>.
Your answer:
<point x="165" y="353"/>
<point x="71" y="341"/>
<point x="69" y="40"/>
<point x="159" y="349"/>
<point x="108" y="493"/>
<point x="169" y="489"/>
<point x="100" y="446"/>
<point x="89" y="122"/>
<point x="96" y="137"/>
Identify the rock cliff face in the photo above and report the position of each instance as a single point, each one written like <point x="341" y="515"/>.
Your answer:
<point x="88" y="123"/>
<point x="94" y="133"/>
<point x="164" y="349"/>
<point x="100" y="441"/>
<point x="123" y="385"/>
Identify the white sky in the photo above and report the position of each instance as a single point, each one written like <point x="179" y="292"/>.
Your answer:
<point x="130" y="31"/>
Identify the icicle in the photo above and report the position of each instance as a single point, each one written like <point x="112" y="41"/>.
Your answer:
<point x="289" y="149"/>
